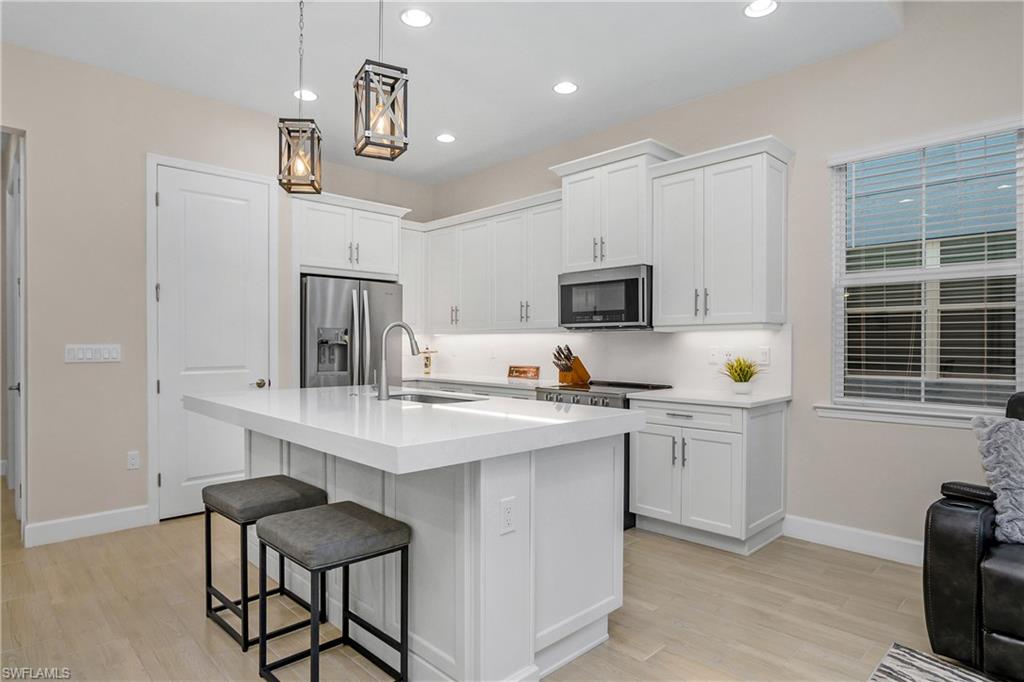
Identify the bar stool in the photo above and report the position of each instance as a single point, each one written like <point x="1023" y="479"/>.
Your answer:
<point x="319" y="540"/>
<point x="245" y="502"/>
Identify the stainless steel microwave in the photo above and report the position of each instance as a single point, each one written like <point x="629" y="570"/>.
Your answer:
<point x="605" y="299"/>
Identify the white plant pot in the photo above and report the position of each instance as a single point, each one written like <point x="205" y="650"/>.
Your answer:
<point x="742" y="387"/>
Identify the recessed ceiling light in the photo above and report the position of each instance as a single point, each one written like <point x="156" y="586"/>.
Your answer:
<point x="305" y="95"/>
<point x="445" y="137"/>
<point x="1003" y="187"/>
<point x="760" y="8"/>
<point x="417" y="18"/>
<point x="906" y="201"/>
<point x="565" y="88"/>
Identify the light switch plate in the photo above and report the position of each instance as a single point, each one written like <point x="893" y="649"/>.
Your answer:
<point x="764" y="355"/>
<point x="132" y="461"/>
<point x="714" y="355"/>
<point x="92" y="352"/>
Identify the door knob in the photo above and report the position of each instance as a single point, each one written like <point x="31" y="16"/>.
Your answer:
<point x="260" y="383"/>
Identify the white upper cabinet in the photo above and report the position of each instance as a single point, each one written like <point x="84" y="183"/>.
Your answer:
<point x="376" y="242"/>
<point x="605" y="207"/>
<point x="509" y="264"/>
<point x="442" y="280"/>
<point x="412" y="276"/>
<point x="476" y="276"/>
<point x="544" y="262"/>
<point x="720" y="236"/>
<point x="335" y="233"/>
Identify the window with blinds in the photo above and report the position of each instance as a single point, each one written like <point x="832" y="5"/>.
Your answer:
<point x="928" y="275"/>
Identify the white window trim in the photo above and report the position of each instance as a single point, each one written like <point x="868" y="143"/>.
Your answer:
<point x="900" y="412"/>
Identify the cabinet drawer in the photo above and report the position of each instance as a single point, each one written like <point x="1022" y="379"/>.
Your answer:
<point x="692" y="416"/>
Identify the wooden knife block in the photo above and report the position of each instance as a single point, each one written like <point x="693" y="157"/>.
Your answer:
<point x="579" y="376"/>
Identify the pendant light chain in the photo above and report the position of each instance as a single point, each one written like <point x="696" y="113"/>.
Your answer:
<point x="302" y="26"/>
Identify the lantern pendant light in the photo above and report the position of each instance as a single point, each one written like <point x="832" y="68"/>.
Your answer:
<point x="299" y="141"/>
<point x="381" y="104"/>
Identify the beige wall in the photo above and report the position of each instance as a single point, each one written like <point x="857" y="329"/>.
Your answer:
<point x="88" y="132"/>
<point x="954" y="66"/>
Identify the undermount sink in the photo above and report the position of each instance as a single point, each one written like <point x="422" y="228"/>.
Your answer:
<point x="426" y="398"/>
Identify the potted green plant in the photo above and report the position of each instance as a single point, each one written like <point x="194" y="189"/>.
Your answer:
<point x="741" y="371"/>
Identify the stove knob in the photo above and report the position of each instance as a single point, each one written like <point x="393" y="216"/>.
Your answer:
<point x="549" y="396"/>
<point x="604" y="402"/>
<point x="575" y="399"/>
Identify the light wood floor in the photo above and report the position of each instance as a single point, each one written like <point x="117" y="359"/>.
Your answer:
<point x="129" y="606"/>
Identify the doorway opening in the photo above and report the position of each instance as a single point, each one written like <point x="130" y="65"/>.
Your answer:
<point x="12" y="318"/>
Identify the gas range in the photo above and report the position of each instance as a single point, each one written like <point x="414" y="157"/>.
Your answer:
<point x="599" y="393"/>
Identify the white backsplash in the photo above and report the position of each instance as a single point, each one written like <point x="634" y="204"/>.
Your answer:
<point x="679" y="359"/>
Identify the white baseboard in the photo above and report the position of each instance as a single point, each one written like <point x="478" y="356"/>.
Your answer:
<point x="892" y="547"/>
<point x="59" y="530"/>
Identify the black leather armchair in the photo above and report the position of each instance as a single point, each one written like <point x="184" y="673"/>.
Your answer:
<point x="973" y="584"/>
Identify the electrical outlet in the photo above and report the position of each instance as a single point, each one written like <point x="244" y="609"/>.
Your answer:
<point x="507" y="521"/>
<point x="764" y="355"/>
<point x="133" y="459"/>
<point x="714" y="355"/>
<point x="728" y="354"/>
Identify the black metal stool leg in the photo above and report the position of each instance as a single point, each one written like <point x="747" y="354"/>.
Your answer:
<point x="243" y="563"/>
<point x="344" y="602"/>
<point x="403" y="651"/>
<point x="208" y="561"/>
<point x="315" y="580"/>
<point x="263" y="606"/>
<point x="323" y="596"/>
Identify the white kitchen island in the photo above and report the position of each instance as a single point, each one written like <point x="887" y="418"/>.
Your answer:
<point x="515" y="508"/>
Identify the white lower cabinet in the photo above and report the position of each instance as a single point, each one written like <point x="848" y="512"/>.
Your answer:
<point x="723" y="486"/>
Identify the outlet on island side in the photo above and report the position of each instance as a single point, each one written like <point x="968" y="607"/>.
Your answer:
<point x="507" y="515"/>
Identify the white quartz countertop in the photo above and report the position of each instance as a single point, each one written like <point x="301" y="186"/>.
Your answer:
<point x="711" y="397"/>
<point x="481" y="380"/>
<point x="402" y="437"/>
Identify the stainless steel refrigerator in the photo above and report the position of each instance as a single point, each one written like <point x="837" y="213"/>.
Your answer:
<point x="342" y="321"/>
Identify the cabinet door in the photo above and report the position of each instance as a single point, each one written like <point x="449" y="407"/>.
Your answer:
<point x="442" y="280"/>
<point x="712" y="481"/>
<point x="734" y="220"/>
<point x="581" y="206"/>
<point x="544" y="263"/>
<point x="375" y="239"/>
<point x="655" y="458"/>
<point x="678" y="255"/>
<point x="509" y="265"/>
<point x="624" y="222"/>
<point x="473" y="310"/>
<point x="323" y="234"/>
<point x="411" y="276"/>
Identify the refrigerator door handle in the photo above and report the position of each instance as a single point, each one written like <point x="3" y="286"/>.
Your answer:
<point x="354" y="345"/>
<point x="366" y="330"/>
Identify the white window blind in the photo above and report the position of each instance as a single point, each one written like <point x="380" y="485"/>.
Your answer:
<point x="928" y="303"/>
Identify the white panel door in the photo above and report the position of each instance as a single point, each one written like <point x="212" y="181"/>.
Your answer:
<point x="442" y="280"/>
<point x="323" y="235"/>
<point x="473" y="310"/>
<point x="375" y="241"/>
<point x="655" y="458"/>
<point x="712" y="479"/>
<point x="412" y="278"/>
<point x="733" y="226"/>
<point x="678" y="249"/>
<point x="213" y="262"/>
<point x="509" y="265"/>
<point x="581" y="206"/>
<point x="624" y="220"/>
<point x="544" y="249"/>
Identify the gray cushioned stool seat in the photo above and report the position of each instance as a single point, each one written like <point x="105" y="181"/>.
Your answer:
<point x="332" y="533"/>
<point x="253" y="498"/>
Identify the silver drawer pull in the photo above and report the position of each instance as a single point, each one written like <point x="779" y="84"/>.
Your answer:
<point x="679" y="414"/>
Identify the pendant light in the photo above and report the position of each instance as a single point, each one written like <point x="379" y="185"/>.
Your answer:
<point x="299" y="141"/>
<point x="381" y="104"/>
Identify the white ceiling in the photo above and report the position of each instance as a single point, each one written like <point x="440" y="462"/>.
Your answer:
<point x="481" y="70"/>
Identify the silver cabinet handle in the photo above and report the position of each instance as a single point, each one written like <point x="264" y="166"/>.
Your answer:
<point x="521" y="317"/>
<point x="595" y="249"/>
<point x="684" y="452"/>
<point x="451" y="314"/>
<point x="705" y="301"/>
<point x="679" y="414"/>
<point x="527" y="311"/>
<point x="456" y="314"/>
<point x="357" y="252"/>
<point x="674" y="450"/>
<point x="602" y="248"/>
<point x="696" y="303"/>
<point x="350" y="252"/>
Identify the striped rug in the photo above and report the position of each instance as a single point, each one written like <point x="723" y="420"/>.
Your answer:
<point x="903" y="664"/>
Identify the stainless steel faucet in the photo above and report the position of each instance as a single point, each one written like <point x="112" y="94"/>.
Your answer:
<point x="383" y="391"/>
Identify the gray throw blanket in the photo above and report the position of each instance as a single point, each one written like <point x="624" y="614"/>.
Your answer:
<point x="1001" y="443"/>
